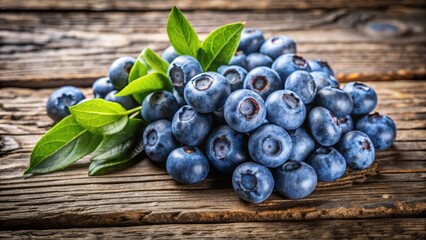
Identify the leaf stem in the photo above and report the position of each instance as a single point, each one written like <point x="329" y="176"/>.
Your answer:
<point x="134" y="110"/>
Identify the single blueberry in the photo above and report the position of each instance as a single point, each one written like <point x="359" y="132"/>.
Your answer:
<point x="333" y="82"/>
<point x="159" y="141"/>
<point x="255" y="60"/>
<point x="324" y="126"/>
<point x="102" y="87"/>
<point x="303" y="144"/>
<point x="328" y="163"/>
<point x="226" y="149"/>
<point x="244" y="110"/>
<point x="322" y="66"/>
<point x="251" y="40"/>
<point x="207" y="92"/>
<point x="270" y="145"/>
<point x="285" y="109"/>
<point x="239" y="59"/>
<point x="295" y="179"/>
<point x="346" y="123"/>
<point x="286" y="64"/>
<point x="364" y="97"/>
<point x="323" y="80"/>
<point x="235" y="75"/>
<point x="126" y="101"/>
<point x="379" y="128"/>
<point x="335" y="100"/>
<point x="191" y="127"/>
<point x="303" y="84"/>
<point x="60" y="100"/>
<point x="187" y="165"/>
<point x="159" y="105"/>
<point x="119" y="72"/>
<point x="263" y="81"/>
<point x="253" y="182"/>
<point x="169" y="54"/>
<point x="277" y="46"/>
<point x="357" y="149"/>
<point x="181" y="70"/>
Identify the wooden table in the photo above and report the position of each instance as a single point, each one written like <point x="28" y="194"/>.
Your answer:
<point x="46" y="44"/>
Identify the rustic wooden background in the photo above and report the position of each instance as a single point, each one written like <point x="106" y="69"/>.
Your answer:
<point x="49" y="43"/>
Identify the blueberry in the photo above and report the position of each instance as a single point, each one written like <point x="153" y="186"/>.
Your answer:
<point x="126" y="101"/>
<point x="277" y="46"/>
<point x="322" y="66"/>
<point x="303" y="144"/>
<point x="239" y="59"/>
<point x="380" y="128"/>
<point x="102" y="87"/>
<point x="235" y="75"/>
<point x="255" y="60"/>
<point x="59" y="101"/>
<point x="179" y="98"/>
<point x="159" y="105"/>
<point x="303" y="84"/>
<point x="253" y="182"/>
<point x="169" y="54"/>
<point x="323" y="80"/>
<point x="364" y="97"/>
<point x="190" y="127"/>
<point x="244" y="110"/>
<point x="181" y="70"/>
<point x="346" y="123"/>
<point x="158" y="140"/>
<point x="358" y="150"/>
<point x="187" y="165"/>
<point x="324" y="126"/>
<point x="251" y="40"/>
<point x="285" y="109"/>
<point x="263" y="81"/>
<point x="335" y="100"/>
<point x="288" y="63"/>
<point x="226" y="149"/>
<point x="295" y="179"/>
<point x="119" y="72"/>
<point x="333" y="82"/>
<point x="270" y="145"/>
<point x="328" y="163"/>
<point x="207" y="92"/>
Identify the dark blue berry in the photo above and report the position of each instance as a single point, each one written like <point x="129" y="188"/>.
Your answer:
<point x="323" y="80"/>
<point x="324" y="126"/>
<point x="358" y="150"/>
<point x="288" y="63"/>
<point x="253" y="182"/>
<point x="159" y="105"/>
<point x="335" y="100"/>
<point x="322" y="66"/>
<point x="235" y="75"/>
<point x="251" y="40"/>
<point x="159" y="141"/>
<point x="207" y="92"/>
<point x="102" y="87"/>
<point x="379" y="128"/>
<point x="191" y="127"/>
<point x="244" y="110"/>
<point x="119" y="72"/>
<point x="277" y="46"/>
<point x="364" y="97"/>
<point x="187" y="165"/>
<point x="255" y="60"/>
<point x="239" y="59"/>
<point x="328" y="163"/>
<point x="285" y="109"/>
<point x="303" y="144"/>
<point x="126" y="101"/>
<point x="169" y="54"/>
<point x="346" y="123"/>
<point x="270" y="145"/>
<point x="263" y="81"/>
<point x="295" y="179"/>
<point x="181" y="70"/>
<point x="59" y="101"/>
<point x="303" y="84"/>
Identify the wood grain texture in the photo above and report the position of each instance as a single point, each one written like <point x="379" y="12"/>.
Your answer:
<point x="403" y="228"/>
<point x="144" y="194"/>
<point x="48" y="50"/>
<point x="223" y="5"/>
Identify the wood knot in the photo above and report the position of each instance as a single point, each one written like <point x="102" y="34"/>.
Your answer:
<point x="386" y="29"/>
<point x="7" y="144"/>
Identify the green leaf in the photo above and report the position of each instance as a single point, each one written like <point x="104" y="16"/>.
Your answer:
<point x="61" y="146"/>
<point x="155" y="61"/>
<point x="219" y="46"/>
<point x="152" y="82"/>
<point x="119" y="163"/>
<point x="139" y="69"/>
<point x="182" y="35"/>
<point x="99" y="116"/>
<point x="113" y="146"/>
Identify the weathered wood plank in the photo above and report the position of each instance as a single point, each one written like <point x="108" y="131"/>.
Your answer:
<point x="224" y="5"/>
<point x="400" y="228"/>
<point x="76" y="48"/>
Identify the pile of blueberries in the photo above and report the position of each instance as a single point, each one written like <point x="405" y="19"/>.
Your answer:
<point x="270" y="119"/>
